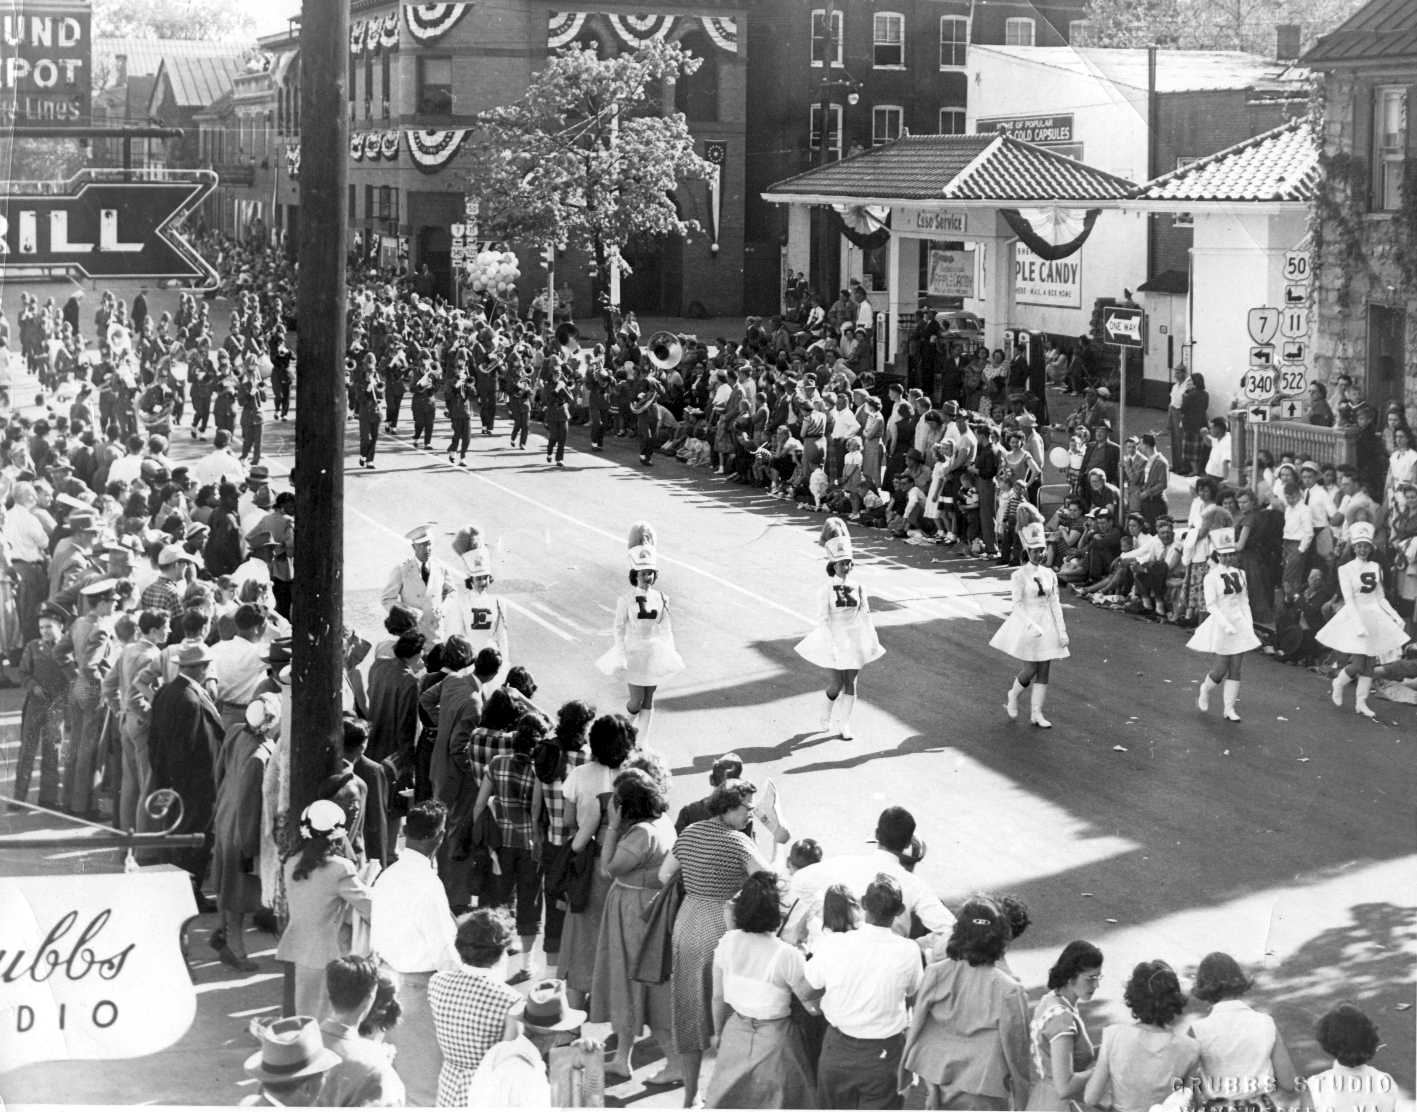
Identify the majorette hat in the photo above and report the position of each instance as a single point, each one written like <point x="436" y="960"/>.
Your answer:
<point x="476" y="556"/>
<point x="1223" y="540"/>
<point x="835" y="539"/>
<point x="643" y="545"/>
<point x="478" y="562"/>
<point x="1031" y="536"/>
<point x="1360" y="532"/>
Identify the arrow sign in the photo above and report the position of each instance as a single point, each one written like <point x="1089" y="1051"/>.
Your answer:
<point x="1123" y="326"/>
<point x="101" y="226"/>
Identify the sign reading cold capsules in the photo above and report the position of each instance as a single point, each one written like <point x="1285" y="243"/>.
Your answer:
<point x="1042" y="130"/>
<point x="46" y="63"/>
<point x="91" y="966"/>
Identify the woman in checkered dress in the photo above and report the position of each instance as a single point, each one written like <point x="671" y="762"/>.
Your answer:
<point x="473" y="1008"/>
<point x="716" y="857"/>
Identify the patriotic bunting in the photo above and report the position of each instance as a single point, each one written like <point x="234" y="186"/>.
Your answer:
<point x="432" y="150"/>
<point x="430" y="22"/>
<point x="637" y="30"/>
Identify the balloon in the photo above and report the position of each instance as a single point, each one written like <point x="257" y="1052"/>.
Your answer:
<point x="477" y="285"/>
<point x="1058" y="457"/>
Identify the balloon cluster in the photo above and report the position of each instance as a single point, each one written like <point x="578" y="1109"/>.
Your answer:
<point x="494" y="272"/>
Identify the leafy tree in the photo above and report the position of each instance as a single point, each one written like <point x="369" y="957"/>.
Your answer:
<point x="1210" y="24"/>
<point x="173" y="19"/>
<point x="586" y="157"/>
<point x="24" y="160"/>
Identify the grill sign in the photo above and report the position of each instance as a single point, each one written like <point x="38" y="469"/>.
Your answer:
<point x="45" y="64"/>
<point x="100" y="228"/>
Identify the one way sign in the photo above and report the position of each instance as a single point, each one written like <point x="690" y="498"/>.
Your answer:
<point x="1123" y="326"/>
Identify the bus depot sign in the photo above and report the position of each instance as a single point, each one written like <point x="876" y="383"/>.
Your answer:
<point x="101" y="226"/>
<point x="46" y="63"/>
<point x="91" y="966"/>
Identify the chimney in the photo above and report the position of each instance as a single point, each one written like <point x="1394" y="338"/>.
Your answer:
<point x="120" y="69"/>
<point x="1288" y="39"/>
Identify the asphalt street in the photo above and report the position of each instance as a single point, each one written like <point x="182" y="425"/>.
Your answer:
<point x="1136" y="822"/>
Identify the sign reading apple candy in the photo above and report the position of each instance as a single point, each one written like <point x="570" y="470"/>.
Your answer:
<point x="91" y="966"/>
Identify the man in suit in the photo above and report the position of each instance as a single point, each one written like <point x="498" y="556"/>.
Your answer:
<point x="92" y="643"/>
<point x="1102" y="451"/>
<point x="422" y="583"/>
<point x="185" y="734"/>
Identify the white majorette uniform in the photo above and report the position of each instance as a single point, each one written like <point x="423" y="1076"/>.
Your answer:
<point x="481" y="617"/>
<point x="644" y="646"/>
<point x="1228" y="630"/>
<point x="844" y="638"/>
<point x="1034" y="629"/>
<point x="1367" y="625"/>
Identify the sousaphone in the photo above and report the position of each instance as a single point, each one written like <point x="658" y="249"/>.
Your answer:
<point x="666" y="351"/>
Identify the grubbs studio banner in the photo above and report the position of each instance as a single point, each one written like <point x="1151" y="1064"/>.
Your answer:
<point x="92" y="967"/>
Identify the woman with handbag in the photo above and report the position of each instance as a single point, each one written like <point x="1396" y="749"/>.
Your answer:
<point x="637" y="840"/>
<point x="587" y="792"/>
<point x="321" y="886"/>
<point x="762" y="1062"/>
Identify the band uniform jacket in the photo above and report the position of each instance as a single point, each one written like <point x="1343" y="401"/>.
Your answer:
<point x="430" y="599"/>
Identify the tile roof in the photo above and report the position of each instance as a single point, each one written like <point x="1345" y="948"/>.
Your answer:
<point x="1378" y="30"/>
<point x="1280" y="165"/>
<point x="1177" y="71"/>
<point x="198" y="80"/>
<point x="958" y="168"/>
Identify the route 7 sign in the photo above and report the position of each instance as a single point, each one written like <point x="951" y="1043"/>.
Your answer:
<point x="101" y="225"/>
<point x="1263" y="323"/>
<point x="1123" y="325"/>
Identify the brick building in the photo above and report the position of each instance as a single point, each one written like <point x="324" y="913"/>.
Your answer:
<point x="418" y="74"/>
<point x="1365" y="219"/>
<point x="896" y="66"/>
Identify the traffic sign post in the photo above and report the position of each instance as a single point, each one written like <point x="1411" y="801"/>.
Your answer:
<point x="1124" y="326"/>
<point x="102" y="226"/>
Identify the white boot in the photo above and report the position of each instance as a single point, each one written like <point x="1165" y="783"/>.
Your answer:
<point x="1362" y="686"/>
<point x="1011" y="705"/>
<point x="643" y="721"/>
<point x="1040" y="693"/>
<point x="1232" y="692"/>
<point x="848" y="704"/>
<point x="1340" y="681"/>
<point x="828" y="713"/>
<point x="1203" y="696"/>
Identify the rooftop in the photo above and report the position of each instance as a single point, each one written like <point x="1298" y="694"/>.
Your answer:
<point x="145" y="56"/>
<point x="1379" y="30"/>
<point x="1177" y="71"/>
<point x="1280" y="165"/>
<point x="957" y="168"/>
<point x="197" y="80"/>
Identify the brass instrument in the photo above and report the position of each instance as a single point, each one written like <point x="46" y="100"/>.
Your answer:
<point x="666" y="350"/>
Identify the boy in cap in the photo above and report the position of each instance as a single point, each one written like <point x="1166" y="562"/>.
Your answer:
<point x="46" y="672"/>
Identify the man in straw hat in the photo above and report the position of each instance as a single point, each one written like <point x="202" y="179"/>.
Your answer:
<point x="291" y="1064"/>
<point x="422" y="583"/>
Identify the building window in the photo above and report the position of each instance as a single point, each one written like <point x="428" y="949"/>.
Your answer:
<point x="833" y="129"/>
<point x="1389" y="145"/>
<point x="954" y="41"/>
<point x="368" y="204"/>
<point x="353" y="204"/>
<point x="951" y="121"/>
<point x="819" y="37"/>
<point x="1018" y="32"/>
<point x="384" y="191"/>
<point x="384" y="84"/>
<point x="885" y="123"/>
<point x="696" y="94"/>
<point x="435" y="85"/>
<point x="888" y="40"/>
<point x="1077" y="32"/>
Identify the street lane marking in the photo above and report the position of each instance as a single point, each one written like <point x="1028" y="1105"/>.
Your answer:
<point x="761" y="600"/>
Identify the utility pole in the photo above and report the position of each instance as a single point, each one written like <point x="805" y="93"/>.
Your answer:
<point x="318" y="479"/>
<point x="824" y="278"/>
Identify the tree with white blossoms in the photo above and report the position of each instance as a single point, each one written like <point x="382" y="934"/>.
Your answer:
<point x="587" y="158"/>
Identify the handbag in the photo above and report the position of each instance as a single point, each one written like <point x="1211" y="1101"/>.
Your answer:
<point x="558" y="870"/>
<point x="580" y="877"/>
<point x="655" y="961"/>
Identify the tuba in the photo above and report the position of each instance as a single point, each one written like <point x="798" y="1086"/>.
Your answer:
<point x="665" y="350"/>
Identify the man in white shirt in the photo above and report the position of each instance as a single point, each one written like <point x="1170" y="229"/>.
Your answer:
<point x="869" y="976"/>
<point x="864" y="313"/>
<point x="1321" y="510"/>
<point x="413" y="932"/>
<point x="844" y="425"/>
<point x="219" y="465"/>
<point x="238" y="665"/>
<point x="894" y="831"/>
<point x="129" y="468"/>
<point x="29" y="556"/>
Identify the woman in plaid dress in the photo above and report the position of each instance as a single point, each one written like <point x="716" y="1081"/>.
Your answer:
<point x="511" y="781"/>
<point x="473" y="1008"/>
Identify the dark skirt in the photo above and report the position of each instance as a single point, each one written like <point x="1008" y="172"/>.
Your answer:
<point x="761" y="1064"/>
